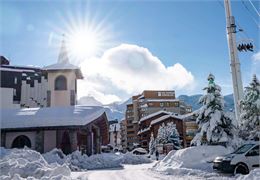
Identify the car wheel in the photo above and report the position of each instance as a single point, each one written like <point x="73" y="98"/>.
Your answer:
<point x="241" y="169"/>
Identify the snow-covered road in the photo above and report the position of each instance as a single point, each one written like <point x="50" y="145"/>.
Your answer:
<point x="143" y="172"/>
<point x="138" y="172"/>
<point x="129" y="172"/>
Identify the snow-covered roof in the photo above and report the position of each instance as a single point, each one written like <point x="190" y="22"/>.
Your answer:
<point x="64" y="66"/>
<point x="163" y="118"/>
<point x="16" y="69"/>
<point x="153" y="114"/>
<point x="187" y="116"/>
<point x="144" y="130"/>
<point x="60" y="66"/>
<point x="49" y="117"/>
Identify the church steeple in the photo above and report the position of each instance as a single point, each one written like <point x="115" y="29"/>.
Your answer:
<point x="63" y="56"/>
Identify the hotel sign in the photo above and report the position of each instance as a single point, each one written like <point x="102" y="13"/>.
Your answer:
<point x="169" y="93"/>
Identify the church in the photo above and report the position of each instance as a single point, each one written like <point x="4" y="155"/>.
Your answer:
<point x="42" y="113"/>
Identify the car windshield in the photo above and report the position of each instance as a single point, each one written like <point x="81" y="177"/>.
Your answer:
<point x="243" y="149"/>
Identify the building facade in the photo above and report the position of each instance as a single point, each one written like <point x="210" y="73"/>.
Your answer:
<point x="185" y="125"/>
<point x="147" y="103"/>
<point x="115" y="136"/>
<point x="21" y="86"/>
<point x="123" y="135"/>
<point x="69" y="128"/>
<point x="39" y="109"/>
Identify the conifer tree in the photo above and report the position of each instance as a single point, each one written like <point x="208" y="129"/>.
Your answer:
<point x="215" y="126"/>
<point x="168" y="134"/>
<point x="250" y="111"/>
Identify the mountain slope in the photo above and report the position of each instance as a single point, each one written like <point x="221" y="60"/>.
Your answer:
<point x="194" y="99"/>
<point x="114" y="110"/>
<point x="89" y="101"/>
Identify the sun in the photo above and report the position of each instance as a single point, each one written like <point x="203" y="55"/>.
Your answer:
<point x="83" y="43"/>
<point x="87" y="35"/>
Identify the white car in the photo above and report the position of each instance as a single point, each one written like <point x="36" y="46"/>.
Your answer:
<point x="242" y="161"/>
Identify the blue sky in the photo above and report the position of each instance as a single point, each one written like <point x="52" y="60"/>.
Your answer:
<point x="191" y="33"/>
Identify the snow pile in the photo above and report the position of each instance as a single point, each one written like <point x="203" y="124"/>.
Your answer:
<point x="26" y="163"/>
<point x="98" y="161"/>
<point x="77" y="161"/>
<point x="55" y="156"/>
<point x="253" y="175"/>
<point x="197" y="157"/>
<point x="130" y="158"/>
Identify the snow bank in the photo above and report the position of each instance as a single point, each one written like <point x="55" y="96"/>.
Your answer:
<point x="99" y="161"/>
<point x="76" y="161"/>
<point x="26" y="163"/>
<point x="29" y="164"/>
<point x="130" y="158"/>
<point x="197" y="157"/>
<point x="253" y="175"/>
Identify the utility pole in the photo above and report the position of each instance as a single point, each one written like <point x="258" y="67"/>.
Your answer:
<point x="234" y="61"/>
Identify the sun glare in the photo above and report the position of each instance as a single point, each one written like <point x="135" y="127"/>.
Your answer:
<point x="86" y="35"/>
<point x="83" y="43"/>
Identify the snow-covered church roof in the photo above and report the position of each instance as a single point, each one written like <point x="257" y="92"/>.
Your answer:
<point x="49" y="117"/>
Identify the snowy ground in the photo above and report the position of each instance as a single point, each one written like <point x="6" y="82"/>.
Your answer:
<point x="28" y="164"/>
<point x="127" y="172"/>
<point x="145" y="172"/>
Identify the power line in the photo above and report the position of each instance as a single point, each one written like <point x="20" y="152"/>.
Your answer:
<point x="240" y="27"/>
<point x="237" y="23"/>
<point x="250" y="13"/>
<point x="254" y="7"/>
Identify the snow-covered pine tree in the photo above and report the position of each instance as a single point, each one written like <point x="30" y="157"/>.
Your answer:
<point x="152" y="145"/>
<point x="215" y="126"/>
<point x="168" y="134"/>
<point x="250" y="111"/>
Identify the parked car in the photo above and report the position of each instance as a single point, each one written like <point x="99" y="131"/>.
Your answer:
<point x="139" y="151"/>
<point x="242" y="161"/>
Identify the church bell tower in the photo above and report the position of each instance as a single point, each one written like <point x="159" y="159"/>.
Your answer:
<point x="62" y="80"/>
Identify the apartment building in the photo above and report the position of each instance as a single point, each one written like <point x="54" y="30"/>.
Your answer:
<point x="146" y="103"/>
<point x="115" y="135"/>
<point x="123" y="135"/>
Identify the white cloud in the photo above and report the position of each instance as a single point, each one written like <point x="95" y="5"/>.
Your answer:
<point x="256" y="56"/>
<point x="255" y="66"/>
<point x="127" y="70"/>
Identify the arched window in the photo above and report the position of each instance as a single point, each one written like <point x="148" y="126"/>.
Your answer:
<point x="21" y="141"/>
<point x="61" y="83"/>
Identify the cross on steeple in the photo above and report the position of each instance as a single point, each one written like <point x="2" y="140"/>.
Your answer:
<point x="63" y="56"/>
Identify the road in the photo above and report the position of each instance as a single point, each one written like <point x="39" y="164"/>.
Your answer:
<point x="129" y="172"/>
<point x="144" y="172"/>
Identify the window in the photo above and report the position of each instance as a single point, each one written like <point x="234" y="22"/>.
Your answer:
<point x="254" y="151"/>
<point x="60" y="83"/>
<point x="161" y="104"/>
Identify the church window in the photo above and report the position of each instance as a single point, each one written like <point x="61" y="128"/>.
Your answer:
<point x="61" y="83"/>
